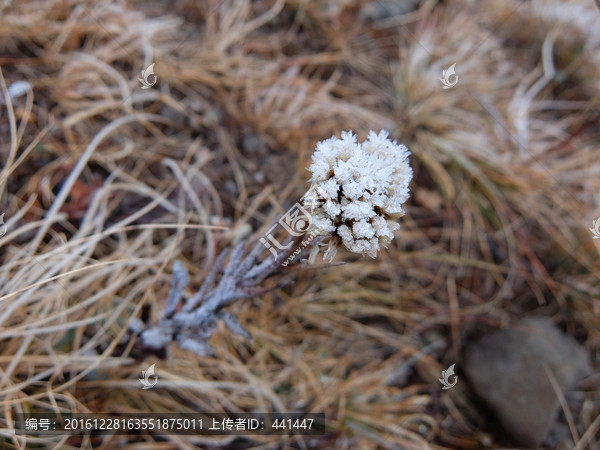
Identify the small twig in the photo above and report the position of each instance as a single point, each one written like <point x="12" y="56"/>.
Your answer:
<point x="241" y="277"/>
<point x="179" y="282"/>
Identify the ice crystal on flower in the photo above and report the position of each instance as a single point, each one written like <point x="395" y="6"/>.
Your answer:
<point x="366" y="185"/>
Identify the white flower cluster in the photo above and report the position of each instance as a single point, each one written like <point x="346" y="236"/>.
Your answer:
<point x="363" y="188"/>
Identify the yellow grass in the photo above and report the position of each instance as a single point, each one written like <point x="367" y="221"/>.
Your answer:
<point x="104" y="184"/>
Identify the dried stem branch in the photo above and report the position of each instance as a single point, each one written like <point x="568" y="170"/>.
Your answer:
<point x="241" y="277"/>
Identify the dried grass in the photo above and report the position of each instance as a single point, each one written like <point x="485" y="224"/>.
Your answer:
<point x="104" y="185"/>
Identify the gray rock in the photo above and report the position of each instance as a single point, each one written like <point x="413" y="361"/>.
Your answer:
<point x="506" y="369"/>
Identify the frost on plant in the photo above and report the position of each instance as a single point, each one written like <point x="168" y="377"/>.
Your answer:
<point x="195" y="321"/>
<point x="355" y="199"/>
<point x="366" y="185"/>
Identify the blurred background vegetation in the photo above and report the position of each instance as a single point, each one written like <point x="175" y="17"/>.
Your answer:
<point x="104" y="184"/>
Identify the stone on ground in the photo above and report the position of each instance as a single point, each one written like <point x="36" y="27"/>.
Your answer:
<point x="507" y="370"/>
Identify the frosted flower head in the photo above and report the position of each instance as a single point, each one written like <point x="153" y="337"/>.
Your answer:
<point x="364" y="186"/>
